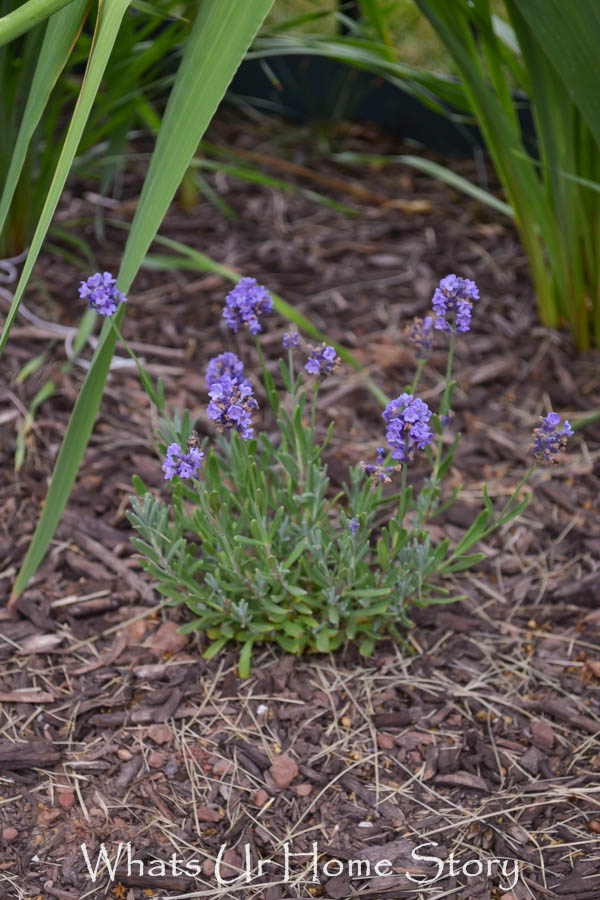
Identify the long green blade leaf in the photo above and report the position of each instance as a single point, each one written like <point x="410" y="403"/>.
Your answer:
<point x="26" y="17"/>
<point x="220" y="36"/>
<point x="570" y="36"/>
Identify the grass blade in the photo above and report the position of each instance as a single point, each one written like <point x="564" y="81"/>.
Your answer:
<point x="433" y="169"/>
<point x="61" y="34"/>
<point x="458" y="182"/>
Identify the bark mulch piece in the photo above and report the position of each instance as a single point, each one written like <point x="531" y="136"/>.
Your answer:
<point x="483" y="745"/>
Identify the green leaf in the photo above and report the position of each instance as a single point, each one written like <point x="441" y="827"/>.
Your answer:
<point x="61" y="33"/>
<point x="194" y="625"/>
<point x="214" y="648"/>
<point x="372" y="592"/>
<point x="376" y="610"/>
<point x="26" y="16"/>
<point x="212" y="471"/>
<point x="138" y="485"/>
<point x="473" y="533"/>
<point x="366" y="646"/>
<point x="253" y="542"/>
<point x="465" y="562"/>
<point x="570" y="36"/>
<point x="436" y="424"/>
<point x="244" y="660"/>
<point x="214" y="501"/>
<point x="382" y="552"/>
<point x="296" y="552"/>
<point x="322" y="641"/>
<point x="290" y="645"/>
<point x="488" y="503"/>
<point x="515" y="510"/>
<point x="270" y="390"/>
<point x="447" y="460"/>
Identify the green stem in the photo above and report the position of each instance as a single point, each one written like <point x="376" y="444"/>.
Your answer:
<point x="313" y="411"/>
<point x="507" y="506"/>
<point x="417" y="378"/>
<point x="444" y="410"/>
<point x="293" y="384"/>
<point x="504" y="516"/>
<point x="259" y="351"/>
<point x="447" y="398"/>
<point x="144" y="377"/>
<point x="403" y="490"/>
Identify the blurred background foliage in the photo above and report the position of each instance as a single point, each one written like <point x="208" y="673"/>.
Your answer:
<point x="398" y="23"/>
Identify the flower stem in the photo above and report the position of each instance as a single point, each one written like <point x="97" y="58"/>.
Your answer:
<point x="447" y="398"/>
<point x="417" y="378"/>
<point x="313" y="411"/>
<point x="154" y="395"/>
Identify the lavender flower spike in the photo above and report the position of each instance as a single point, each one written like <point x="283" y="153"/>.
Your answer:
<point x="548" y="441"/>
<point x="452" y="303"/>
<point x="407" y="419"/>
<point x="231" y="405"/>
<point x="420" y="334"/>
<point x="290" y="339"/>
<point x="100" y="290"/>
<point x="377" y="471"/>
<point x="246" y="304"/>
<point x="183" y="464"/>
<point x="225" y="363"/>
<point x="353" y="525"/>
<point x="323" y="361"/>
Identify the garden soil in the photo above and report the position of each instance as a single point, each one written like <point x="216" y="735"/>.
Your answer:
<point x="476" y="741"/>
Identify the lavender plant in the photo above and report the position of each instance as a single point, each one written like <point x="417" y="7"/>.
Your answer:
<point x="254" y="541"/>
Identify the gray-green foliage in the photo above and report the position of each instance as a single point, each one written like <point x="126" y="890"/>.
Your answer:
<point x="260" y="549"/>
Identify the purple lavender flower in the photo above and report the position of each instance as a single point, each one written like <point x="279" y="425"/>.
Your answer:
<point x="407" y="420"/>
<point x="225" y="363"/>
<point x="548" y="441"/>
<point x="231" y="405"/>
<point x="377" y="471"/>
<point x="420" y="334"/>
<point x="452" y="298"/>
<point x="290" y="340"/>
<point x="183" y="464"/>
<point x="353" y="525"/>
<point x="101" y="292"/>
<point x="323" y="361"/>
<point x="245" y="305"/>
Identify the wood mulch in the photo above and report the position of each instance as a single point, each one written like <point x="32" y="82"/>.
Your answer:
<point x="483" y="742"/>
